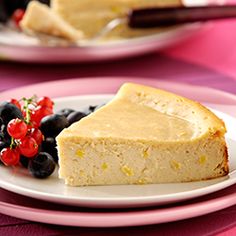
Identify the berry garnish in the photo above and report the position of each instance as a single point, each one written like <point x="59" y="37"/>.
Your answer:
<point x="24" y="161"/>
<point x="20" y="136"/>
<point x="28" y="129"/>
<point x="75" y="116"/>
<point x="39" y="113"/>
<point x="49" y="146"/>
<point x="37" y="135"/>
<point x="2" y="145"/>
<point x="1" y="123"/>
<point x="17" y="128"/>
<point x="10" y="157"/>
<point x="9" y="111"/>
<point x="92" y="108"/>
<point x="52" y="125"/>
<point x="5" y="137"/>
<point x="28" y="147"/>
<point x="17" y="16"/>
<point x="42" y="165"/>
<point x="45" y="102"/>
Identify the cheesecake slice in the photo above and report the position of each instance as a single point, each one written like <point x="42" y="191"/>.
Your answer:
<point x="39" y="18"/>
<point x="91" y="16"/>
<point x="143" y="136"/>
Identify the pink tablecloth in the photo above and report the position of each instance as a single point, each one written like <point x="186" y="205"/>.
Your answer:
<point x="208" y="59"/>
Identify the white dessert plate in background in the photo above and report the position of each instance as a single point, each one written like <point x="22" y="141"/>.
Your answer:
<point x="53" y="189"/>
<point x="16" y="46"/>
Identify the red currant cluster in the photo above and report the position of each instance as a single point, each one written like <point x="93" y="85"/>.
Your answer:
<point x="17" y="16"/>
<point x="26" y="136"/>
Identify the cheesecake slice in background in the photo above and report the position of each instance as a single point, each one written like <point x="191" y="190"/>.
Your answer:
<point x="143" y="136"/>
<point x="39" y="18"/>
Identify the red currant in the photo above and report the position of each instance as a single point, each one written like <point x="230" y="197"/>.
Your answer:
<point x="15" y="102"/>
<point x="28" y="147"/>
<point x="17" y="128"/>
<point x="38" y="114"/>
<point x="10" y="157"/>
<point x="37" y="135"/>
<point x="30" y="125"/>
<point x="18" y="15"/>
<point x="45" y="102"/>
<point x="23" y="112"/>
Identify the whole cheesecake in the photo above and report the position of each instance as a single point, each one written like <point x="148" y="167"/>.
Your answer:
<point x="143" y="136"/>
<point x="90" y="16"/>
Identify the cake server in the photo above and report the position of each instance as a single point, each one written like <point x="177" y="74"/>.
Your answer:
<point x="170" y="16"/>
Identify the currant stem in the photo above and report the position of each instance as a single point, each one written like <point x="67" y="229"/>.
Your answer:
<point x="12" y="143"/>
<point x="27" y="113"/>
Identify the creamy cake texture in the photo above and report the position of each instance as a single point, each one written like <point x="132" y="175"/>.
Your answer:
<point x="91" y="16"/>
<point x="144" y="135"/>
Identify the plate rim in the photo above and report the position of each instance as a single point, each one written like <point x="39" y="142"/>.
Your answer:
<point x="116" y="43"/>
<point x="98" y="52"/>
<point x="231" y="98"/>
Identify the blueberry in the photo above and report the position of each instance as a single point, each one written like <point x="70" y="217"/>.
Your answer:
<point x="1" y="122"/>
<point x="9" y="111"/>
<point x="24" y="161"/>
<point x="65" y="112"/>
<point x="92" y="108"/>
<point x="49" y="146"/>
<point x="42" y="165"/>
<point x="1" y="136"/>
<point x="75" y="116"/>
<point x="2" y="145"/>
<point x="52" y="125"/>
<point x="5" y="142"/>
<point x="4" y="136"/>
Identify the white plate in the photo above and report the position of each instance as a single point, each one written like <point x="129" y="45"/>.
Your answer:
<point x="53" y="189"/>
<point x="18" y="47"/>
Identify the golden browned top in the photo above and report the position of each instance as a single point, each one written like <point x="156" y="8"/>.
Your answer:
<point x="142" y="113"/>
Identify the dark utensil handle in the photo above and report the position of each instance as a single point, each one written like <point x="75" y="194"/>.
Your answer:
<point x="154" y="17"/>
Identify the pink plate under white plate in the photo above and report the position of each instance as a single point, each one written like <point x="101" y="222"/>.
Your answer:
<point x="18" y="47"/>
<point x="35" y="210"/>
<point x="26" y="208"/>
